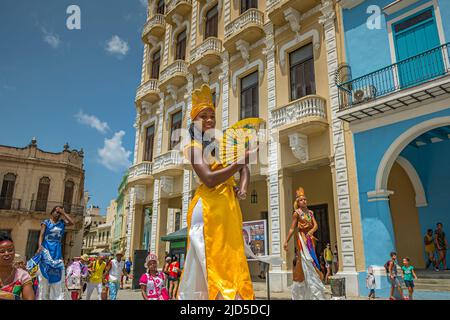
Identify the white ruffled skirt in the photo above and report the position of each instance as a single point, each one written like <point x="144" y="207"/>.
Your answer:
<point x="312" y="288"/>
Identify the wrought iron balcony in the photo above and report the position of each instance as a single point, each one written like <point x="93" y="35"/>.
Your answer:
<point x="140" y="174"/>
<point x="47" y="206"/>
<point x="410" y="81"/>
<point x="248" y="27"/>
<point x="169" y="164"/>
<point x="155" y="26"/>
<point x="148" y="91"/>
<point x="178" y="7"/>
<point x="208" y="53"/>
<point x="10" y="204"/>
<point x="307" y="112"/>
<point x="175" y="74"/>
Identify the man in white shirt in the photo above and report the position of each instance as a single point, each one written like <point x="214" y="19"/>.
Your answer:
<point x="115" y="269"/>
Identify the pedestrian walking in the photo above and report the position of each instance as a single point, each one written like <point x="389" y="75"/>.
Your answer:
<point x="328" y="257"/>
<point x="430" y="249"/>
<point x="15" y="283"/>
<point x="441" y="245"/>
<point x="335" y="259"/>
<point x="408" y="276"/>
<point x="391" y="270"/>
<point x="96" y="278"/>
<point x="116" y="270"/>
<point x="74" y="273"/>
<point x="51" y="263"/>
<point x="167" y="263"/>
<point x="128" y="265"/>
<point x="174" y="274"/>
<point x="152" y="282"/>
<point x="371" y="283"/>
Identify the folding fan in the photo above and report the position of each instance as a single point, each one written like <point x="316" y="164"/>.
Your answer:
<point x="238" y="138"/>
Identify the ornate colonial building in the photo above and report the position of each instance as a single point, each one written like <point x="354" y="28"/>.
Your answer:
<point x="272" y="59"/>
<point x="33" y="182"/>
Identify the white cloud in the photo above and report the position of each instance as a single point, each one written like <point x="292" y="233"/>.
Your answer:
<point x="144" y="2"/>
<point x="113" y="155"/>
<point x="117" y="46"/>
<point x="92" y="121"/>
<point x="51" y="38"/>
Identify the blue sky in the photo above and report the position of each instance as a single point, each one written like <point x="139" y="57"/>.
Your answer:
<point x="75" y="86"/>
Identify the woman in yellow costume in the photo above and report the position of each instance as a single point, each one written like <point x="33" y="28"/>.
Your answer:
<point x="307" y="278"/>
<point x="216" y="266"/>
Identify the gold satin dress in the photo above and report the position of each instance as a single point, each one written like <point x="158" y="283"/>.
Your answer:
<point x="226" y="263"/>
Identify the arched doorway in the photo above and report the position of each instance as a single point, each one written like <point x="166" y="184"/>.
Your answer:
<point x="418" y="174"/>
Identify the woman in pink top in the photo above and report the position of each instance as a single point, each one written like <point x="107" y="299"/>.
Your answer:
<point x="152" y="282"/>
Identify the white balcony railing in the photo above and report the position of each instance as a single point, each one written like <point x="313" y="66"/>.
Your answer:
<point x="309" y="106"/>
<point x="251" y="16"/>
<point x="146" y="87"/>
<point x="210" y="44"/>
<point x="157" y="19"/>
<point x="171" y="158"/>
<point x="179" y="66"/>
<point x="172" y="4"/>
<point x="141" y="169"/>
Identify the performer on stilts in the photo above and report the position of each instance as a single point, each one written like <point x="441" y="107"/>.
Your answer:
<point x="49" y="257"/>
<point x="307" y="277"/>
<point x="215" y="266"/>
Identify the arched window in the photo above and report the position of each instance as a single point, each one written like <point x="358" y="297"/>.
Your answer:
<point x="212" y="22"/>
<point x="248" y="4"/>
<point x="160" y="7"/>
<point x="156" y="61"/>
<point x="42" y="195"/>
<point x="6" y="195"/>
<point x="68" y="196"/>
<point x="181" y="46"/>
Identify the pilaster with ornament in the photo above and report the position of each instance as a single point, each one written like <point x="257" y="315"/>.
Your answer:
<point x="155" y="215"/>
<point x="187" y="174"/>
<point x="273" y="182"/>
<point x="225" y="79"/>
<point x="130" y="221"/>
<point x="144" y="63"/>
<point x="166" y="44"/>
<point x="160" y="115"/>
<point x="136" y="125"/>
<point x="194" y="24"/>
<point x="227" y="11"/>
<point x="340" y="161"/>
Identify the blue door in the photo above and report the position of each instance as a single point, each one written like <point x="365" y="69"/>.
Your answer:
<point x="418" y="51"/>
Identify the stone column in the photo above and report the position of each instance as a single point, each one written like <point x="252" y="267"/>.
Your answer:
<point x="342" y="196"/>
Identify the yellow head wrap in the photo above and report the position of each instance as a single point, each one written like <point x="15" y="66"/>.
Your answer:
<point x="201" y="100"/>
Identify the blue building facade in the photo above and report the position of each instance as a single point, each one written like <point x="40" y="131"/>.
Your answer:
<point x="394" y="91"/>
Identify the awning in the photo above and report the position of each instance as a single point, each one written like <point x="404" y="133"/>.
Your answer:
<point x="176" y="236"/>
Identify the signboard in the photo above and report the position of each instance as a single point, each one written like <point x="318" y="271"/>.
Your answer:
<point x="255" y="237"/>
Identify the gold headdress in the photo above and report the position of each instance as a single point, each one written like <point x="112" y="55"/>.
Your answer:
<point x="300" y="192"/>
<point x="201" y="100"/>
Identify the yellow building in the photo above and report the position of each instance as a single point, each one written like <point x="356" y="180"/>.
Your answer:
<point x="97" y="231"/>
<point x="33" y="182"/>
<point x="272" y="59"/>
